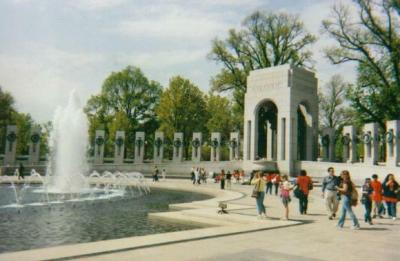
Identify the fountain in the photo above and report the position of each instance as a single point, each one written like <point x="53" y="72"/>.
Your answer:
<point x="68" y="146"/>
<point x="65" y="179"/>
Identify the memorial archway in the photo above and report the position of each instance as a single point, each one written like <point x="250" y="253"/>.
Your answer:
<point x="267" y="130"/>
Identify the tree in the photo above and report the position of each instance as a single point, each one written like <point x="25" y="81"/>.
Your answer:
<point x="333" y="111"/>
<point x="372" y="40"/>
<point x="126" y="95"/>
<point x="266" y="40"/>
<point x="24" y="124"/>
<point x="6" y="114"/>
<point x="182" y="108"/>
<point x="220" y="115"/>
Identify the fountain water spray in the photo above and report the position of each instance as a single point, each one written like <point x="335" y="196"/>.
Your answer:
<point x="68" y="145"/>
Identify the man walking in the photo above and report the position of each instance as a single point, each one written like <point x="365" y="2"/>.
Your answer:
<point x="329" y="192"/>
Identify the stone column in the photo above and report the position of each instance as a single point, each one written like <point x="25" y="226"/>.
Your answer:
<point x="215" y="146"/>
<point x="139" y="146"/>
<point x="328" y="144"/>
<point x="119" y="147"/>
<point x="234" y="145"/>
<point x="11" y="145"/>
<point x="247" y="142"/>
<point x="349" y="144"/>
<point x="178" y="147"/>
<point x="392" y="138"/>
<point x="158" y="154"/>
<point x="196" y="146"/>
<point x="370" y="139"/>
<point x="99" y="147"/>
<point x="34" y="146"/>
<point x="269" y="141"/>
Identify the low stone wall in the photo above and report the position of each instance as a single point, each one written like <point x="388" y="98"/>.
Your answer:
<point x="358" y="171"/>
<point x="172" y="168"/>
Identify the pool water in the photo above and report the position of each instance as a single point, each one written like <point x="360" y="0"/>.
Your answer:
<point x="77" y="222"/>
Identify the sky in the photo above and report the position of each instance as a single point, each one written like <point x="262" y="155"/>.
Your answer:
<point x="49" y="47"/>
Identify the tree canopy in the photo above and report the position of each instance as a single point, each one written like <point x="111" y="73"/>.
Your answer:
<point x="372" y="40"/>
<point x="266" y="40"/>
<point x="182" y="108"/>
<point x="334" y="113"/>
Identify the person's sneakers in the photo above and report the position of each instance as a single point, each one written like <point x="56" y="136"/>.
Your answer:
<point x="355" y="227"/>
<point x="259" y="217"/>
<point x="394" y="218"/>
<point x="380" y="216"/>
<point x="339" y="227"/>
<point x="370" y="223"/>
<point x="374" y="216"/>
<point x="330" y="217"/>
<point x="333" y="215"/>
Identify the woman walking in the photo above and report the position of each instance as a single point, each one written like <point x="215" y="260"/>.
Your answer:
<point x="259" y="183"/>
<point x="390" y="191"/>
<point x="346" y="189"/>
<point x="286" y="187"/>
<point x="305" y="183"/>
<point x="366" y="200"/>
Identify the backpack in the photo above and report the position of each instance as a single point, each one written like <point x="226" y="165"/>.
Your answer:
<point x="354" y="195"/>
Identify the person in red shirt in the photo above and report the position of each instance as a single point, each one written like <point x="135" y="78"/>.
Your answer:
<point x="305" y="183"/>
<point x="276" y="180"/>
<point x="377" y="205"/>
<point x="269" y="183"/>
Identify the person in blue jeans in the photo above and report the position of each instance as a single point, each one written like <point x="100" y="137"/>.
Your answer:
<point x="390" y="190"/>
<point x="366" y="200"/>
<point x="259" y="183"/>
<point x="345" y="190"/>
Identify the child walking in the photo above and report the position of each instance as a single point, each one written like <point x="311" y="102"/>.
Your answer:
<point x="286" y="187"/>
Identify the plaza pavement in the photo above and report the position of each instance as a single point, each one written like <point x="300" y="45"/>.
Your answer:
<point x="239" y="235"/>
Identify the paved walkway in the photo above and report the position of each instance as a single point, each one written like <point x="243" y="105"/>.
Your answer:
<point x="316" y="239"/>
<point x="310" y="237"/>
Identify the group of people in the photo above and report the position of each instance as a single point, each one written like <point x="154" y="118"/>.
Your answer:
<point x="373" y="194"/>
<point x="199" y="175"/>
<point x="335" y="189"/>
<point x="156" y="174"/>
<point x="263" y="184"/>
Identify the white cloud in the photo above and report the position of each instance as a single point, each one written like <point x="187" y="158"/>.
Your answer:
<point x="93" y="5"/>
<point x="173" y="23"/>
<point x="42" y="80"/>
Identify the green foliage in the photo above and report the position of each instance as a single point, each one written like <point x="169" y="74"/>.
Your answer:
<point x="266" y="40"/>
<point x="127" y="102"/>
<point x="182" y="108"/>
<point x="7" y="111"/>
<point x="372" y="40"/>
<point x="220" y="115"/>
<point x="24" y="124"/>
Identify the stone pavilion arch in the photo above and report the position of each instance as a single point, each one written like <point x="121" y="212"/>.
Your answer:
<point x="281" y="117"/>
<point x="267" y="114"/>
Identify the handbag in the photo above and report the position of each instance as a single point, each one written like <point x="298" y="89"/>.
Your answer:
<point x="310" y="186"/>
<point x="256" y="192"/>
<point x="354" y="195"/>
